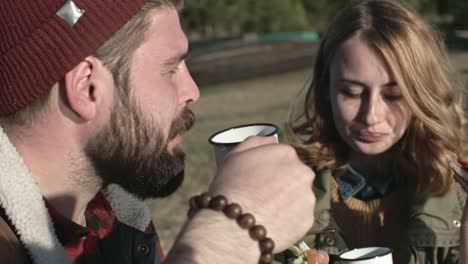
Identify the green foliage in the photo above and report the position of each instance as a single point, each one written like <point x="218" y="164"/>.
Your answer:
<point x="218" y="18"/>
<point x="277" y="16"/>
<point x="224" y="18"/>
<point x="460" y="12"/>
<point x="321" y="12"/>
<point x="423" y="6"/>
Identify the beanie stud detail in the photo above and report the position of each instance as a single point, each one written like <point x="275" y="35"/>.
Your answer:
<point x="70" y="12"/>
<point x="39" y="45"/>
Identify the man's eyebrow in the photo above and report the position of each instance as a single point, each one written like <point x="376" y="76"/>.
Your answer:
<point x="175" y="60"/>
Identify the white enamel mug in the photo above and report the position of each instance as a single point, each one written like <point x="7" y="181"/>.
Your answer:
<point x="367" y="255"/>
<point x="225" y="140"/>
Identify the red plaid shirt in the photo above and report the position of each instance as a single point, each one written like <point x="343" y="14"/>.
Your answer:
<point x="81" y="243"/>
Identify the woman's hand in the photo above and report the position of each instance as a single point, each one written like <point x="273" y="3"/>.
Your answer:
<point x="322" y="257"/>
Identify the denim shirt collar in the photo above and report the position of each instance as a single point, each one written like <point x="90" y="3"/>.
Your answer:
<point x="353" y="184"/>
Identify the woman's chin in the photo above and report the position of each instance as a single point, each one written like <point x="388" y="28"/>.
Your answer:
<point x="374" y="148"/>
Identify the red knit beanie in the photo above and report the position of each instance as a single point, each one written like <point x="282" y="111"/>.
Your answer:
<point x="38" y="46"/>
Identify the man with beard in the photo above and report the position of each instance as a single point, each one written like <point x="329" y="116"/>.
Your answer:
<point x="94" y="102"/>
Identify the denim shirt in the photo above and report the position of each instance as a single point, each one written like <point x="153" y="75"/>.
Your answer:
<point x="353" y="184"/>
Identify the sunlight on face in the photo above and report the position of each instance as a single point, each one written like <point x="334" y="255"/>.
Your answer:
<point x="161" y="82"/>
<point x="368" y="109"/>
<point x="139" y="149"/>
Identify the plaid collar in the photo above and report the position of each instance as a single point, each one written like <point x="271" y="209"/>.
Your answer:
<point x="82" y="240"/>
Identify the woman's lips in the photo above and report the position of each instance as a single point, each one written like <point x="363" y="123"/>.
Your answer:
<point x="370" y="137"/>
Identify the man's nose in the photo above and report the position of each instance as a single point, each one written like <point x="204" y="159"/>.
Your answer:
<point x="189" y="91"/>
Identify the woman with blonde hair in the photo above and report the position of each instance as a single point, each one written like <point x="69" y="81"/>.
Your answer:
<point x="381" y="124"/>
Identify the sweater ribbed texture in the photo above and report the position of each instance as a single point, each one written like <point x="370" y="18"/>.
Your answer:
<point x="37" y="48"/>
<point x="376" y="222"/>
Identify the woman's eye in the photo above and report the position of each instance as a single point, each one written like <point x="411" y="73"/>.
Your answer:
<point x="393" y="97"/>
<point x="352" y="93"/>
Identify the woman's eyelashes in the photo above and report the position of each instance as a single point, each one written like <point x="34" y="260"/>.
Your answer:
<point x="351" y="92"/>
<point x="358" y="92"/>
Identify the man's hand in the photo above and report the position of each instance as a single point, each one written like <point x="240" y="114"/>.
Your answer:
<point x="269" y="181"/>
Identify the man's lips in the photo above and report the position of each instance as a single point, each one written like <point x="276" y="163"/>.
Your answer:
<point x="177" y="139"/>
<point x="182" y="124"/>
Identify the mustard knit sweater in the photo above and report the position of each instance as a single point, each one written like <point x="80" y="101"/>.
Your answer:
<point x="376" y="222"/>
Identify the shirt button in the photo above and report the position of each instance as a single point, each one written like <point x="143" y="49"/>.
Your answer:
<point x="143" y="249"/>
<point x="456" y="223"/>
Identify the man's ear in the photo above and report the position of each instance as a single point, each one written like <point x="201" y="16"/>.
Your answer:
<point x="82" y="88"/>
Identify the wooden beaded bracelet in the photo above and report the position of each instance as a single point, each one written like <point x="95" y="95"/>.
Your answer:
<point x="245" y="221"/>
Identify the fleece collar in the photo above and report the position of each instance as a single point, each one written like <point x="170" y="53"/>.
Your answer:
<point x="23" y="204"/>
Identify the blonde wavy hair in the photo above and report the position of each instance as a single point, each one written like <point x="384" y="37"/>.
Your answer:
<point x="417" y="57"/>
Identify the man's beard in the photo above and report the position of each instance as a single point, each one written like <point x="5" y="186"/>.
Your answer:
<point x="132" y="152"/>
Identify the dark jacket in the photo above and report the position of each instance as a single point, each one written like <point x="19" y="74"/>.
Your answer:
<point x="124" y="245"/>
<point x="26" y="229"/>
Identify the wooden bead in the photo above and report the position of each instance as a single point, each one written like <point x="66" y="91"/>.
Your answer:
<point x="233" y="211"/>
<point x="258" y="232"/>
<point x="246" y="221"/>
<point x="267" y="245"/>
<point x="204" y="200"/>
<point x="266" y="258"/>
<point x="218" y="203"/>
